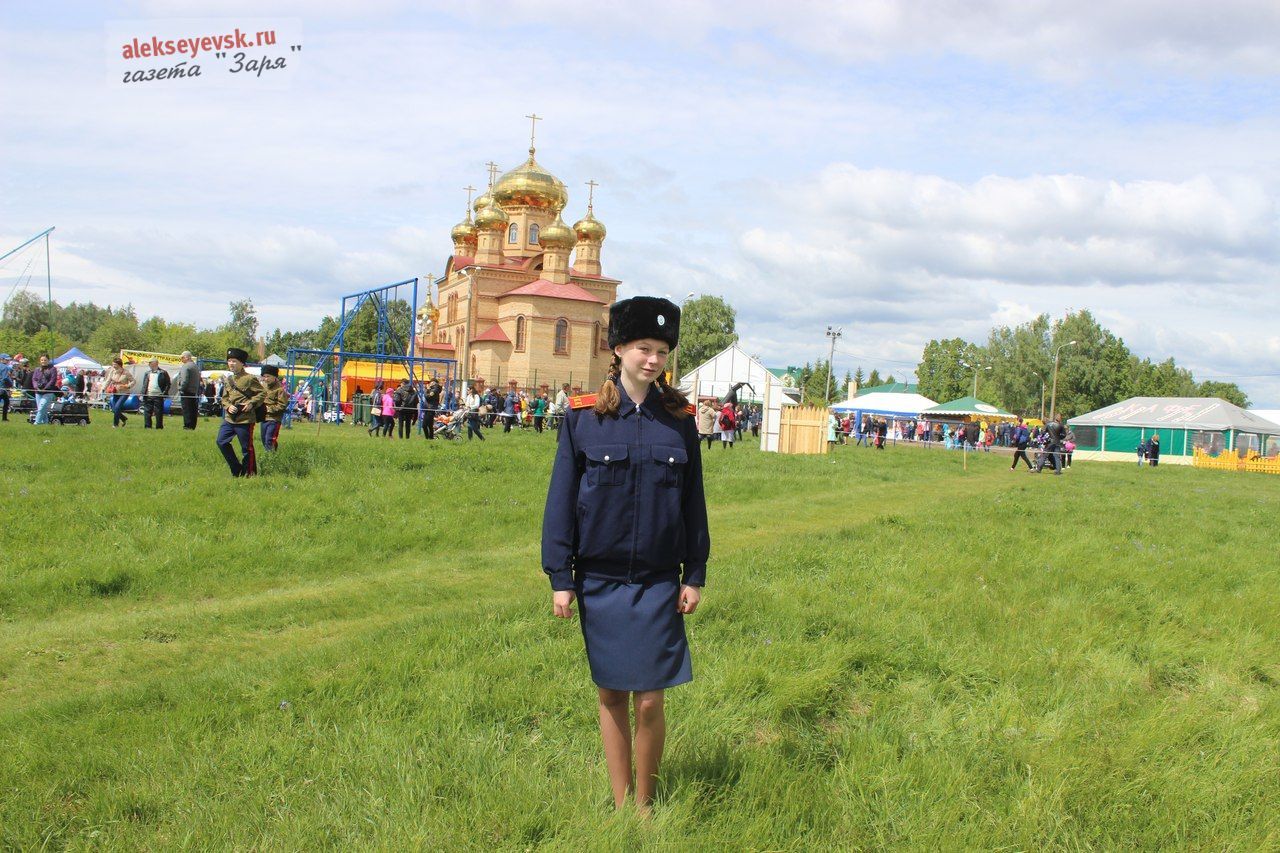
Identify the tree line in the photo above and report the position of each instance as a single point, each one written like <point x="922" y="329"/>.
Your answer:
<point x="30" y="325"/>
<point x="1015" y="369"/>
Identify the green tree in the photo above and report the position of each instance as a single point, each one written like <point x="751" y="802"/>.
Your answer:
<point x="815" y="384"/>
<point x="859" y="377"/>
<point x="889" y="380"/>
<point x="114" y="334"/>
<point x="707" y="326"/>
<point x="874" y="380"/>
<point x="27" y="313"/>
<point x="243" y="323"/>
<point x="1228" y="391"/>
<point x="941" y="375"/>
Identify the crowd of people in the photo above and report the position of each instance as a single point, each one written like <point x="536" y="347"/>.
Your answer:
<point x="1038" y="445"/>
<point x="726" y="421"/>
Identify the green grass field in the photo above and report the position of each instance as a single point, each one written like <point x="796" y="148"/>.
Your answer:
<point x="356" y="650"/>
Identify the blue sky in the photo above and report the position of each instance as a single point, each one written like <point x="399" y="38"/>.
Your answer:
<point x="904" y="170"/>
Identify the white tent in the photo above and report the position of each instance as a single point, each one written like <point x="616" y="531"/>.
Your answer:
<point x="74" y="359"/>
<point x="718" y="374"/>
<point x="886" y="403"/>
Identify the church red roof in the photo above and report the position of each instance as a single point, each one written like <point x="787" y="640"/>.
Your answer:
<point x="550" y="289"/>
<point x="438" y="345"/>
<point x="493" y="333"/>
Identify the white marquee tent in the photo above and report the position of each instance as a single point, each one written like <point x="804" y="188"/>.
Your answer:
<point x="715" y="376"/>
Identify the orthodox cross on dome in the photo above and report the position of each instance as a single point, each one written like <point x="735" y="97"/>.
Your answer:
<point x="493" y="173"/>
<point x="470" y="189"/>
<point x="591" y="193"/>
<point x="533" y="118"/>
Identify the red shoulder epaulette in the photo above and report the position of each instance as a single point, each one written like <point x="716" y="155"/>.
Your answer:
<point x="582" y="401"/>
<point x="691" y="409"/>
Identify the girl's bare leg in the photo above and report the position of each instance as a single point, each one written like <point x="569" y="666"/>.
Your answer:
<point x="615" y="731"/>
<point x="651" y="734"/>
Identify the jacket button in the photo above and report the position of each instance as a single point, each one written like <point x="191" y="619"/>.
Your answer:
<point x="671" y="460"/>
<point x="606" y="458"/>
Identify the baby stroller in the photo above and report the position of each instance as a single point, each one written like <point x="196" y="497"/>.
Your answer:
<point x="449" y="426"/>
<point x="65" y="411"/>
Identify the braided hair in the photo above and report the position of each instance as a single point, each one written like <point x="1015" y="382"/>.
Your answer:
<point x="609" y="398"/>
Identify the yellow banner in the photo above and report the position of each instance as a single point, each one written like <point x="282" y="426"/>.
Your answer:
<point x="133" y="356"/>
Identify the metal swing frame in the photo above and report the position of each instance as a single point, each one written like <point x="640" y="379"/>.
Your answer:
<point x="417" y="367"/>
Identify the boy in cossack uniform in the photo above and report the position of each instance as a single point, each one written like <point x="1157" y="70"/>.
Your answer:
<point x="276" y="399"/>
<point x="242" y="393"/>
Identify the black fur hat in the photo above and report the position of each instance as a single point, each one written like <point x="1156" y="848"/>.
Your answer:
<point x="237" y="353"/>
<point x="644" y="317"/>
<point x="270" y="370"/>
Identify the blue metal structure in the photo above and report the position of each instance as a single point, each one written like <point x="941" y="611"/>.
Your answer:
<point x="390" y="347"/>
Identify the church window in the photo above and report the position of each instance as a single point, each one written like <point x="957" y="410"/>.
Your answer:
<point x="533" y="234"/>
<point x="513" y="233"/>
<point x="602" y="338"/>
<point x="562" y="336"/>
<point x="520" y="333"/>
<point x="453" y="308"/>
<point x="597" y="335"/>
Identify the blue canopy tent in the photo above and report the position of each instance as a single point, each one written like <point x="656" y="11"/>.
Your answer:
<point x="74" y="359"/>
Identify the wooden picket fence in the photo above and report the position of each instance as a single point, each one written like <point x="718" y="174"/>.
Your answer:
<point x="803" y="430"/>
<point x="1232" y="462"/>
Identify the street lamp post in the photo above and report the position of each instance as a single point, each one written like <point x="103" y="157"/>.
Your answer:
<point x="975" y="368"/>
<point x="1053" y="398"/>
<point x="832" y="333"/>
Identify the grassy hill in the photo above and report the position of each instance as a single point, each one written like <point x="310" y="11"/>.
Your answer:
<point x="356" y="649"/>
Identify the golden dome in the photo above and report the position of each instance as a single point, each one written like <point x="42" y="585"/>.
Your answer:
<point x="482" y="202"/>
<point x="464" y="232"/>
<point x="531" y="185"/>
<point x="556" y="236"/>
<point x="492" y="218"/>
<point x="589" y="228"/>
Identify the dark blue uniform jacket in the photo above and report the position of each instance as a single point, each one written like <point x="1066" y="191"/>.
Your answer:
<point x="626" y="499"/>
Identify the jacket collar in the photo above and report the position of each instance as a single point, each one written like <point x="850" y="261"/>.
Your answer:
<point x="649" y="408"/>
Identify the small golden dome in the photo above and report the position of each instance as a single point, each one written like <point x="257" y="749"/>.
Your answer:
<point x="531" y="185"/>
<point x="482" y="202"/>
<point x="464" y="232"/>
<point x="492" y="218"/>
<point x="556" y="236"/>
<point x="589" y="228"/>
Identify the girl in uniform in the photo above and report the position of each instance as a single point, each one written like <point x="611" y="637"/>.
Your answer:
<point x="625" y="535"/>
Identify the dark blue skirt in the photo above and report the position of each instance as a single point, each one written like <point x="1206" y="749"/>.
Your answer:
<point x="634" y="634"/>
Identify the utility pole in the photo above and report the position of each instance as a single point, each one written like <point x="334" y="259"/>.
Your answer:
<point x="833" y="333"/>
<point x="1053" y="398"/>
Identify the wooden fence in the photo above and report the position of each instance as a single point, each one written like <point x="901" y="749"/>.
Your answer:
<point x="803" y="430"/>
<point x="1231" y="462"/>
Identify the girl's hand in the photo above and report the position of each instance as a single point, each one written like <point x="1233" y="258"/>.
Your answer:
<point x="689" y="598"/>
<point x="562" y="603"/>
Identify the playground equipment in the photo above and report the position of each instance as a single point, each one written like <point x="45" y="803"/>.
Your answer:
<point x="395" y="357"/>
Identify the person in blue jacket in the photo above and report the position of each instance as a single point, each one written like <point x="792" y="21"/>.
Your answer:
<point x="625" y="535"/>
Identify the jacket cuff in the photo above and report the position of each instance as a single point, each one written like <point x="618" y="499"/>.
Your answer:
<point x="695" y="575"/>
<point x="561" y="579"/>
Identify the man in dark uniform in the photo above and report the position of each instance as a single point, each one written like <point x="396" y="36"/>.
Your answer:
<point x="242" y="393"/>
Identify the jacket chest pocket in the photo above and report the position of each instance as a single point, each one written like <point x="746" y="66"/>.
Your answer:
<point x="606" y="465"/>
<point x="671" y="462"/>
